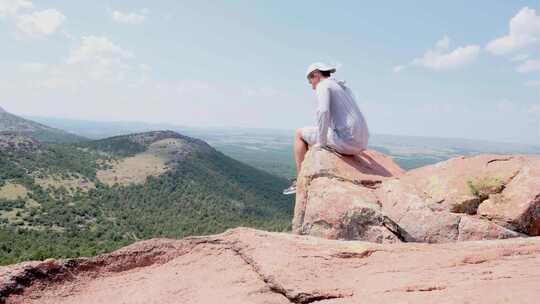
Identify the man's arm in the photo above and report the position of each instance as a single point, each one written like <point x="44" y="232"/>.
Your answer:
<point x="323" y="113"/>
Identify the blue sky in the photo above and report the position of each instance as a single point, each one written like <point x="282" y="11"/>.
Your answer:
<point x="455" y="69"/>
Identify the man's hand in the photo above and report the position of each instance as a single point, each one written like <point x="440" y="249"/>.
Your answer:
<point x="319" y="147"/>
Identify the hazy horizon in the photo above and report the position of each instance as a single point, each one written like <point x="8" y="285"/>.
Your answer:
<point x="48" y="119"/>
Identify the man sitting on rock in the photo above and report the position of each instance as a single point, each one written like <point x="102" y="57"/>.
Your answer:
<point x="341" y="126"/>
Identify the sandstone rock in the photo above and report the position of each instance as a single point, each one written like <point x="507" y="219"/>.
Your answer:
<point x="518" y="205"/>
<point x="422" y="221"/>
<point x="335" y="197"/>
<point x="341" y="210"/>
<point x="460" y="184"/>
<point x="465" y="198"/>
<point x="501" y="188"/>
<point x="473" y="229"/>
<point x="251" y="266"/>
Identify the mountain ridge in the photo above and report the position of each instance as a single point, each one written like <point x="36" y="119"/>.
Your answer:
<point x="12" y="123"/>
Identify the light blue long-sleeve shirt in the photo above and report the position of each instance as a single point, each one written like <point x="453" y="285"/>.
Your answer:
<point x="340" y="122"/>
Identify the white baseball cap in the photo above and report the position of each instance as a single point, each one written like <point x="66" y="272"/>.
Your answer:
<point x="321" y="67"/>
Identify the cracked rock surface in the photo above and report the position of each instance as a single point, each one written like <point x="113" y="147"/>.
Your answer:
<point x="368" y="197"/>
<point x="245" y="265"/>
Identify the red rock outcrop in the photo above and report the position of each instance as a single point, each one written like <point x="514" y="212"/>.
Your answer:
<point x="368" y="197"/>
<point x="251" y="266"/>
<point x="335" y="197"/>
<point x="502" y="188"/>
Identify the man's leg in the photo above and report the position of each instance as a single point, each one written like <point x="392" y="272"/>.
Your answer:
<point x="300" y="149"/>
<point x="302" y="138"/>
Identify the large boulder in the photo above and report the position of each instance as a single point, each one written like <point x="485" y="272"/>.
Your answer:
<point x="341" y="210"/>
<point x="335" y="197"/>
<point x="504" y="189"/>
<point x="369" y="197"/>
<point x="425" y="221"/>
<point x="517" y="206"/>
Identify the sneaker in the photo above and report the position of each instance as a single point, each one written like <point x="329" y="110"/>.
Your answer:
<point x="291" y="189"/>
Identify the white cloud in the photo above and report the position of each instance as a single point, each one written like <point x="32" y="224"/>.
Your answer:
<point x="440" y="58"/>
<point x="97" y="48"/>
<point x="40" y="24"/>
<point x="524" y="31"/>
<point x="94" y="60"/>
<point x="11" y="7"/>
<point x="127" y="18"/>
<point x="101" y="58"/>
<point x="443" y="44"/>
<point x="530" y="65"/>
<point x="442" y="61"/>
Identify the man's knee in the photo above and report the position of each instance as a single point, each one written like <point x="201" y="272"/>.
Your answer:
<point x="298" y="133"/>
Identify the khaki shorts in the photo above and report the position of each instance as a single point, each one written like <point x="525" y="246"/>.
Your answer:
<point x="311" y="135"/>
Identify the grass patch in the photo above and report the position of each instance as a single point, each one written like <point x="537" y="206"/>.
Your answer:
<point x="482" y="187"/>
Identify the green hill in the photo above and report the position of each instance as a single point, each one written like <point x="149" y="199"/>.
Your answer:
<point x="65" y="200"/>
<point x="14" y="124"/>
